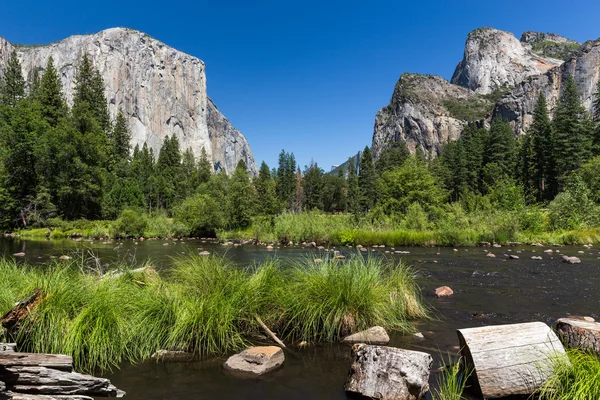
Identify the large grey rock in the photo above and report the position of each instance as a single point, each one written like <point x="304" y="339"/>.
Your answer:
<point x="162" y="91"/>
<point x="418" y="114"/>
<point x="579" y="334"/>
<point x="494" y="59"/>
<point x="373" y="335"/>
<point x="584" y="66"/>
<point x="47" y="381"/>
<point x="256" y="360"/>
<point x="24" y="396"/>
<point x="388" y="373"/>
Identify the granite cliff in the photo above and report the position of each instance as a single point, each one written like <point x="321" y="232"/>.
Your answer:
<point x="498" y="75"/>
<point x="162" y="91"/>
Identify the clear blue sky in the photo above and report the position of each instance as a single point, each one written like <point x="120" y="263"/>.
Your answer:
<point x="307" y="76"/>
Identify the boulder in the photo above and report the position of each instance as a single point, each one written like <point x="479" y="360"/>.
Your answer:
<point x="373" y="335"/>
<point x="536" y="258"/>
<point x="579" y="333"/>
<point x="256" y="360"/>
<point x="492" y="255"/>
<point x="443" y="291"/>
<point x="571" y="260"/>
<point x="388" y="373"/>
<point x="19" y="254"/>
<point x="513" y="257"/>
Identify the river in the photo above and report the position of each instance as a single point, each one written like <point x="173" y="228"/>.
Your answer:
<point x="486" y="291"/>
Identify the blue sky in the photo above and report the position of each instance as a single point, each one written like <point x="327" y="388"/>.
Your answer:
<point x="307" y="76"/>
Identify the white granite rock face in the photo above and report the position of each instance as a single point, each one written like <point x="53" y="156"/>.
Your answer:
<point x="495" y="59"/>
<point x="517" y="106"/>
<point x="162" y="91"/>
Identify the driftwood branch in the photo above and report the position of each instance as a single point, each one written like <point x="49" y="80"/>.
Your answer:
<point x="270" y="332"/>
<point x="21" y="310"/>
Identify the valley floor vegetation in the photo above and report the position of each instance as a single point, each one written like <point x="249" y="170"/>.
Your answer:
<point x="204" y="305"/>
<point x="70" y="171"/>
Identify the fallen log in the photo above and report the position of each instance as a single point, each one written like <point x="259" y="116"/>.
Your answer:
<point x="47" y="381"/>
<point x="510" y="360"/>
<point x="579" y="334"/>
<point x="55" y="361"/>
<point x="21" y="310"/>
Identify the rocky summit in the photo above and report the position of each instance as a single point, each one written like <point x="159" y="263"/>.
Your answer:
<point x="162" y="91"/>
<point x="499" y="75"/>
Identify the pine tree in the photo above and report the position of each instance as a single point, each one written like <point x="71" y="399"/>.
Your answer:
<point x="168" y="168"/>
<point x="312" y="183"/>
<point x="353" y="188"/>
<point x="120" y="139"/>
<point x="367" y="180"/>
<point x="189" y="178"/>
<point x="52" y="102"/>
<point x="572" y="142"/>
<point x="286" y="179"/>
<point x="241" y="197"/>
<point x="596" y="120"/>
<point x="298" y="200"/>
<point x="473" y="141"/>
<point x="143" y="173"/>
<point x="392" y="156"/>
<point x="542" y="162"/>
<point x="204" y="167"/>
<point x="34" y="86"/>
<point x="267" y="202"/>
<point x="12" y="84"/>
<point x="500" y="151"/>
<point x="89" y="92"/>
<point x="334" y="193"/>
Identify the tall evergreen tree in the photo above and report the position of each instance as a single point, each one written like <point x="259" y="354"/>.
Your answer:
<point x="367" y="180"/>
<point x="143" y="172"/>
<point x="120" y="139"/>
<point x="267" y="202"/>
<point x="241" y="197"/>
<point x="298" y="200"/>
<point x="353" y="188"/>
<point x="335" y="192"/>
<point x="392" y="156"/>
<point x="572" y="142"/>
<point x="189" y="177"/>
<point x="286" y="179"/>
<point x="12" y="83"/>
<point x="312" y="183"/>
<point x="52" y="102"/>
<point x="204" y="167"/>
<point x="500" y="153"/>
<point x="89" y="90"/>
<point x="542" y="147"/>
<point x="473" y="140"/>
<point x="168" y="168"/>
<point x="596" y="120"/>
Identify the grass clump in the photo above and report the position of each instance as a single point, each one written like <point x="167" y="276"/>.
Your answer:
<point x="575" y="378"/>
<point x="452" y="381"/>
<point x="328" y="300"/>
<point x="204" y="305"/>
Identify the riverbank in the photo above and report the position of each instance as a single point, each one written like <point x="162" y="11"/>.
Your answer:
<point x="335" y="230"/>
<point x="203" y="304"/>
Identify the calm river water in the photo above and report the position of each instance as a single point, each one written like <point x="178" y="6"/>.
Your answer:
<point x="486" y="291"/>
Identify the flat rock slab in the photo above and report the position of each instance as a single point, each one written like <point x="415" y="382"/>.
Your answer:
<point x="55" y="361"/>
<point x="24" y="396"/>
<point x="256" y="360"/>
<point x="388" y="373"/>
<point x="47" y="381"/>
<point x="579" y="334"/>
<point x="510" y="360"/>
<point x="374" y="335"/>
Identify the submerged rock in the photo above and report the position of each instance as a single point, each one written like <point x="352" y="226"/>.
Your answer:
<point x="172" y="355"/>
<point x="571" y="260"/>
<point x="443" y="291"/>
<point x="256" y="360"/>
<point x="373" y="335"/>
<point x="388" y="373"/>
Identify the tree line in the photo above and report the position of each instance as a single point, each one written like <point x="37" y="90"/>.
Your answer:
<point x="75" y="163"/>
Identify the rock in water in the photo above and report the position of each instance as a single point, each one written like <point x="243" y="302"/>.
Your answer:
<point x="373" y="335"/>
<point x="443" y="291"/>
<point x="388" y="373"/>
<point x="162" y="91"/>
<point x="172" y="355"/>
<point x="571" y="260"/>
<point x="256" y="360"/>
<point x="579" y="334"/>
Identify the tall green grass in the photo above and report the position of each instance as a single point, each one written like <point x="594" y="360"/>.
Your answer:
<point x="452" y="381"/>
<point x="575" y="379"/>
<point x="204" y="305"/>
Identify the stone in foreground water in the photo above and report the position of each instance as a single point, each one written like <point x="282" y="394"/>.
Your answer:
<point x="256" y="360"/>
<point x="373" y="335"/>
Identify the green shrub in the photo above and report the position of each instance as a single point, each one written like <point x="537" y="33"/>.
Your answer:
<point x="131" y="223"/>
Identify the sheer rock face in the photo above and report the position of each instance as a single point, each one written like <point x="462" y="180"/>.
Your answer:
<point x="584" y="65"/>
<point x="418" y="114"/>
<point x="494" y="59"/>
<point x="162" y="91"/>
